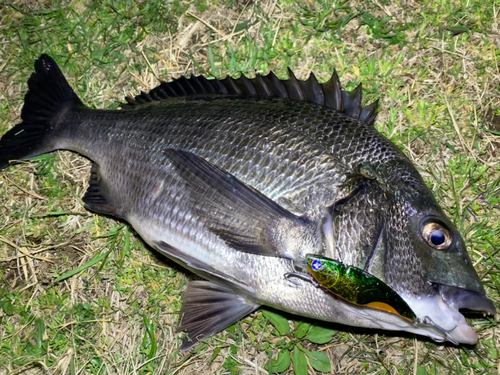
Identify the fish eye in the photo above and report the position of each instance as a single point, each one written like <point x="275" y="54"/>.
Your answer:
<point x="436" y="235"/>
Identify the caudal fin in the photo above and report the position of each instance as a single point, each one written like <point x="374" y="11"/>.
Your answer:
<point x="48" y="97"/>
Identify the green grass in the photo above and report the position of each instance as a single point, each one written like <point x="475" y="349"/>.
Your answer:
<point x="119" y="314"/>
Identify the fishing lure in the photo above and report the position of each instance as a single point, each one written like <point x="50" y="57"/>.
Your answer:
<point x="357" y="286"/>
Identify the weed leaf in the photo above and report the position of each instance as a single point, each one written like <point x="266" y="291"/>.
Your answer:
<point x="299" y="362"/>
<point x="277" y="321"/>
<point x="319" y="361"/>
<point x="320" y="335"/>
<point x="302" y="329"/>
<point x="282" y="363"/>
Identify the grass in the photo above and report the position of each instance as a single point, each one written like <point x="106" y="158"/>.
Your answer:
<point x="433" y="64"/>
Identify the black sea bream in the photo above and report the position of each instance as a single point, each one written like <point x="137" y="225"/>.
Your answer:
<point x="238" y="179"/>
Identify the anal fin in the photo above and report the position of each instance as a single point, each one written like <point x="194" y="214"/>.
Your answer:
<point x="94" y="199"/>
<point x="209" y="308"/>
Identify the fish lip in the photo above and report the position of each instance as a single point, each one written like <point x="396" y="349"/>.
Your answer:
<point x="438" y="315"/>
<point x="456" y="299"/>
<point x="459" y="298"/>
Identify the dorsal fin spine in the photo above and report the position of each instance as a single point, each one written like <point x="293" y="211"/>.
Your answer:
<point x="277" y="84"/>
<point x="203" y="82"/>
<point x="246" y="85"/>
<point x="333" y="92"/>
<point x="231" y="86"/>
<point x="261" y="86"/>
<point x="352" y="101"/>
<point x="293" y="87"/>
<point x="313" y="90"/>
<point x="186" y="86"/>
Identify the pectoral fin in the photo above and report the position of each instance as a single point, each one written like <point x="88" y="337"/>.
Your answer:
<point x="238" y="214"/>
<point x="209" y="308"/>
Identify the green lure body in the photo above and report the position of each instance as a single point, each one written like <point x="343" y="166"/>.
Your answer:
<point x="356" y="286"/>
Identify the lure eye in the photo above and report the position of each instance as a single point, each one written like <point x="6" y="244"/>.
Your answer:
<point x="316" y="265"/>
<point x="436" y="235"/>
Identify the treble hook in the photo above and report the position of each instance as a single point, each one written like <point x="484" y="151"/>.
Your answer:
<point x="302" y="276"/>
<point x="429" y="321"/>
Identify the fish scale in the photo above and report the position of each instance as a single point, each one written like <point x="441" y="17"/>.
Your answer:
<point x="240" y="180"/>
<point x="358" y="247"/>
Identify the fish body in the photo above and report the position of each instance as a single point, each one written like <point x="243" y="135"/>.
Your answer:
<point x="238" y="180"/>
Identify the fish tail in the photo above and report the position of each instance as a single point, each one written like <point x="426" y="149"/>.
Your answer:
<point x="48" y="98"/>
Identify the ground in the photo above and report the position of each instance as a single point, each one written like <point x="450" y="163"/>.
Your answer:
<point x="81" y="294"/>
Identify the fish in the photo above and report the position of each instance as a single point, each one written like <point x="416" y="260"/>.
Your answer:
<point x="240" y="180"/>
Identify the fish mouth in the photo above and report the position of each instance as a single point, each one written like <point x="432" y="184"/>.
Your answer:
<point x="442" y="312"/>
<point x="459" y="298"/>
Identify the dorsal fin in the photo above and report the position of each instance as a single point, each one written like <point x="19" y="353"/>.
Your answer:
<point x="328" y="94"/>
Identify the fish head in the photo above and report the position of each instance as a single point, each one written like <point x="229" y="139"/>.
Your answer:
<point x="427" y="263"/>
<point x="403" y="237"/>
